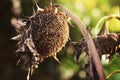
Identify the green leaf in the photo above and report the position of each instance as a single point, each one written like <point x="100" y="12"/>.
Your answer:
<point x="114" y="25"/>
<point x="100" y="24"/>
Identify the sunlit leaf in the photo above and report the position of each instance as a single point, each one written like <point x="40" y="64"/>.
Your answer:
<point x="114" y="25"/>
<point x="99" y="25"/>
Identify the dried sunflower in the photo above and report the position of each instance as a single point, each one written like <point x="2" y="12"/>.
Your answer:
<point x="42" y="35"/>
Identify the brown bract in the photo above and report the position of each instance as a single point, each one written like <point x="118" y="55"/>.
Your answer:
<point x="105" y="44"/>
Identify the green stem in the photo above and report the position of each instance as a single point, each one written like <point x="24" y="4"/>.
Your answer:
<point x="112" y="73"/>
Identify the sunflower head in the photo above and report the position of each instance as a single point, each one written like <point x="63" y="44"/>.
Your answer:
<point x="41" y="35"/>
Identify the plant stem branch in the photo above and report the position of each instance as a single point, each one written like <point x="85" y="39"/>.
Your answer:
<point x="112" y="73"/>
<point x="90" y="43"/>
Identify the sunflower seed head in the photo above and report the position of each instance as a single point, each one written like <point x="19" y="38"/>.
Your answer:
<point x="45" y="33"/>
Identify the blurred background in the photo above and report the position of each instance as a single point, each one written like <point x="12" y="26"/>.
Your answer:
<point x="89" y="11"/>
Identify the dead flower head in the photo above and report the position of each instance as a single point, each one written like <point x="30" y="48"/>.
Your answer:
<point x="42" y="35"/>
